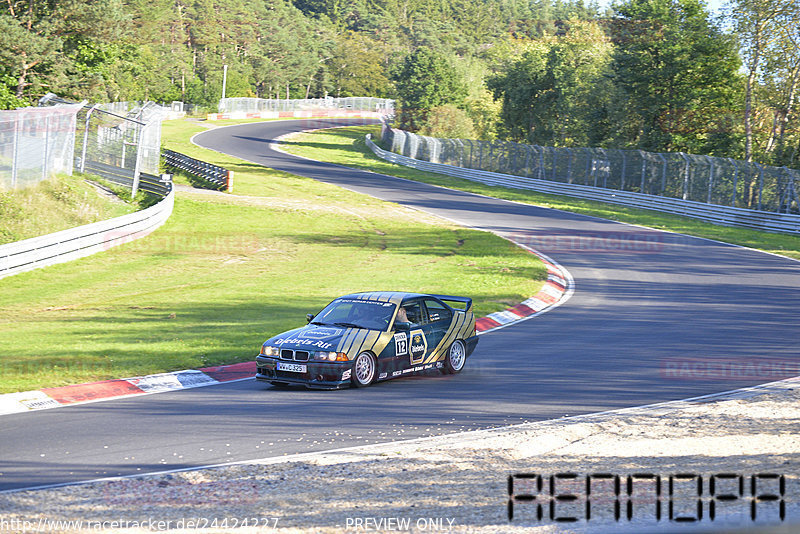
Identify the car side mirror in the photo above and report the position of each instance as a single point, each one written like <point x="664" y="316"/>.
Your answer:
<point x="309" y="317"/>
<point x="401" y="326"/>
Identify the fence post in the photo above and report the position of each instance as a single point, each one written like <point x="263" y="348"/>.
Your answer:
<point x="46" y="155"/>
<point x="735" y="180"/>
<point x="685" y="176"/>
<point x="663" y="173"/>
<point x="569" y="165"/>
<point x="15" y="151"/>
<point x="644" y="170"/>
<point x="555" y="161"/>
<point x="229" y="182"/>
<point x="710" y="177"/>
<point x="760" y="183"/>
<point x="137" y="166"/>
<point x="86" y="137"/>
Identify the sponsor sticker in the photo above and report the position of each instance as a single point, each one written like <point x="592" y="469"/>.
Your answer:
<point x="418" y="346"/>
<point x="401" y="344"/>
<point x="397" y="373"/>
<point x="304" y="343"/>
<point x="320" y="333"/>
<point x="382" y="375"/>
<point x="347" y="374"/>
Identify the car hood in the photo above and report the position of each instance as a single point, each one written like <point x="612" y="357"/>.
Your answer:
<point x="310" y="337"/>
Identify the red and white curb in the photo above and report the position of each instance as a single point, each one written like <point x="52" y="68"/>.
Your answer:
<point x="558" y="288"/>
<point x="27" y="401"/>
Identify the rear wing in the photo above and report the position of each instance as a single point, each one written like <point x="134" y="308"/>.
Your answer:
<point x="467" y="302"/>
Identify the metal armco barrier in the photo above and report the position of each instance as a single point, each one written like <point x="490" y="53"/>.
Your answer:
<point x="723" y="215"/>
<point x="86" y="240"/>
<point x="147" y="182"/>
<point x="217" y="176"/>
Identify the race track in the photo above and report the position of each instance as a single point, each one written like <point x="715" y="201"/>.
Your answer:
<point x="637" y="314"/>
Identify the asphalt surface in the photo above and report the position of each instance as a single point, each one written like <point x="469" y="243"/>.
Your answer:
<point x="647" y="305"/>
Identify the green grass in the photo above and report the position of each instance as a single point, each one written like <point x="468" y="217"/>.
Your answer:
<point x="346" y="146"/>
<point x="51" y="205"/>
<point x="227" y="271"/>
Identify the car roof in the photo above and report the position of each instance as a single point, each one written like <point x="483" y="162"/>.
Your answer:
<point x="395" y="297"/>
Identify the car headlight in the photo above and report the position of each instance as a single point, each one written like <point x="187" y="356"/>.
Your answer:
<point x="267" y="350"/>
<point x="331" y="356"/>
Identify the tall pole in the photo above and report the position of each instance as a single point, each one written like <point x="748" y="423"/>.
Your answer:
<point x="224" y="79"/>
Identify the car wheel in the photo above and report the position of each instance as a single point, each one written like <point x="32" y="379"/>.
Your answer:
<point x="364" y="368"/>
<point x="456" y="358"/>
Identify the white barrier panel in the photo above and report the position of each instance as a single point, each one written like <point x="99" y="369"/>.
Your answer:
<point x="74" y="243"/>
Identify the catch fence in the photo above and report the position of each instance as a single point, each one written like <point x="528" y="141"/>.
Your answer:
<point x="382" y="106"/>
<point x="36" y="143"/>
<point x="123" y="136"/>
<point x="688" y="177"/>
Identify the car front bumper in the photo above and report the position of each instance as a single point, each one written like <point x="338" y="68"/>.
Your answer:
<point x="314" y="374"/>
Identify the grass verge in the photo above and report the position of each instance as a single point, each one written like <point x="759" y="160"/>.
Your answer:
<point x="346" y="146"/>
<point x="227" y="271"/>
<point x="52" y="205"/>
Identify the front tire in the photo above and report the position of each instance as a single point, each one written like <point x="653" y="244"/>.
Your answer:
<point x="365" y="368"/>
<point x="456" y="358"/>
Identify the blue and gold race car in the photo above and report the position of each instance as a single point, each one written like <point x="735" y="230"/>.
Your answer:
<point x="367" y="337"/>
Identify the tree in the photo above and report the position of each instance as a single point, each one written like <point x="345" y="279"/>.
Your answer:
<point x="770" y="45"/>
<point x="425" y="80"/>
<point x="449" y="122"/>
<point x="557" y="92"/>
<point x="66" y="46"/>
<point x="678" y="75"/>
<point x="357" y="67"/>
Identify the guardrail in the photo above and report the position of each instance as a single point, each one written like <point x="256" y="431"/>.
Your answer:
<point x="723" y="215"/>
<point x="74" y="243"/>
<point x="219" y="177"/>
<point x="159" y="185"/>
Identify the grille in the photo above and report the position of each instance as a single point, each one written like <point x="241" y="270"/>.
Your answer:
<point x="296" y="355"/>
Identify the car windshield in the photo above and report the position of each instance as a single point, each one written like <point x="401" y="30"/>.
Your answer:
<point x="356" y="313"/>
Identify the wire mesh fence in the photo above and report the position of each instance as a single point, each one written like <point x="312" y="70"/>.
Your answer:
<point x="123" y="134"/>
<point x="36" y="143"/>
<point x="257" y="105"/>
<point x="707" y="179"/>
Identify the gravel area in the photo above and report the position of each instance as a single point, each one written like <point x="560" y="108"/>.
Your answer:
<point x="460" y="482"/>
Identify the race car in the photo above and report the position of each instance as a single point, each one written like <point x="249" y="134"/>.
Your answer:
<point x="363" y="338"/>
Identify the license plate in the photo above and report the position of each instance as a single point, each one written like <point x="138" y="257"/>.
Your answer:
<point x="291" y="367"/>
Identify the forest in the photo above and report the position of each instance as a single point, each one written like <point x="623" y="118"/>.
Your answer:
<point x="657" y="75"/>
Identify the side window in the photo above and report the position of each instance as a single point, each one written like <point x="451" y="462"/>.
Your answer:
<point x="413" y="311"/>
<point x="437" y="311"/>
